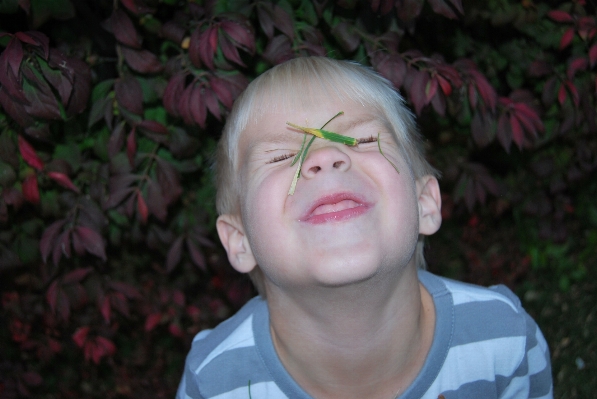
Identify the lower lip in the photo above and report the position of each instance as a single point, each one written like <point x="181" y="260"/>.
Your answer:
<point x="336" y="216"/>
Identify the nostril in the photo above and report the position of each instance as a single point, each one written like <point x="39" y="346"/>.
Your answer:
<point x="337" y="164"/>
<point x="315" y="169"/>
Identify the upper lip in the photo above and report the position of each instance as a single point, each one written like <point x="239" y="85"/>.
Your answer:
<point x="334" y="199"/>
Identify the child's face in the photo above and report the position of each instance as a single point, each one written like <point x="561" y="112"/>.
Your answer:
<point x="352" y="215"/>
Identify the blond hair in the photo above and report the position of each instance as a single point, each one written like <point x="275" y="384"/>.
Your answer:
<point x="290" y="86"/>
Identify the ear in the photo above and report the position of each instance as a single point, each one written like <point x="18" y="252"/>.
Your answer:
<point x="430" y="205"/>
<point x="235" y="242"/>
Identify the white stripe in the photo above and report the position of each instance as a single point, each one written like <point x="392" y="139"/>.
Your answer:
<point x="479" y="361"/>
<point x="240" y="338"/>
<point x="465" y="293"/>
<point x="260" y="390"/>
<point x="201" y="335"/>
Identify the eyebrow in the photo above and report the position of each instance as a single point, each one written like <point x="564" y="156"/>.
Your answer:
<point x="342" y="127"/>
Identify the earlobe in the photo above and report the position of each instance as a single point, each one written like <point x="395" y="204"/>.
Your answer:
<point x="430" y="205"/>
<point x="235" y="242"/>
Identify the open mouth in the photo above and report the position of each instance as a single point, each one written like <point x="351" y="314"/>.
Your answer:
<point x="335" y="208"/>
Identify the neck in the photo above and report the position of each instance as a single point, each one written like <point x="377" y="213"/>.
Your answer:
<point x="366" y="340"/>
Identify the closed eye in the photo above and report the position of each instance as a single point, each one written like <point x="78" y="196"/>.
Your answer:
<point x="370" y="139"/>
<point x="280" y="158"/>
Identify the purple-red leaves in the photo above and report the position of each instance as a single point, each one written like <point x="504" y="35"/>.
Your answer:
<point x="31" y="189"/>
<point x="129" y="94"/>
<point x="517" y="121"/>
<point x="477" y="85"/>
<point x="391" y="66"/>
<point x="560" y="16"/>
<point x="95" y="348"/>
<point x="272" y="16"/>
<point x="92" y="241"/>
<point x="230" y="35"/>
<point x="123" y="29"/>
<point x="173" y="92"/>
<point x="58" y="242"/>
<point x="474" y="184"/>
<point x="142" y="61"/>
<point x="446" y="9"/>
<point x="67" y="292"/>
<point x="29" y="154"/>
<point x="278" y="50"/>
<point x="63" y="180"/>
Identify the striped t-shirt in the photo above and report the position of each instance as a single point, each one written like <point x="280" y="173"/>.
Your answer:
<point x="485" y="346"/>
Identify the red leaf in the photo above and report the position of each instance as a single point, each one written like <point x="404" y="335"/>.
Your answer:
<point x="152" y="321"/>
<point x="430" y="90"/>
<point x="48" y="238"/>
<point x="77" y="275"/>
<point x="142" y="208"/>
<point x="593" y="55"/>
<point x="211" y="101"/>
<point x="80" y="336"/>
<point x="486" y="91"/>
<point x="393" y="68"/>
<point x="207" y="46"/>
<point x="197" y="106"/>
<point x="243" y="35"/>
<point x="126" y="289"/>
<point x="52" y="295"/>
<point x="220" y="87"/>
<point x="155" y="200"/>
<point x="440" y="7"/>
<point x="278" y="50"/>
<point x="567" y="38"/>
<point x="230" y="51"/>
<point x="92" y="241"/>
<point x="63" y="180"/>
<point x="417" y="90"/>
<point x="10" y="61"/>
<point x="562" y="94"/>
<point x="153" y="126"/>
<point x="444" y="84"/>
<point x="174" y="254"/>
<point x="29" y="154"/>
<point x="30" y="189"/>
<point x="185" y="104"/>
<point x="123" y="29"/>
<point x="105" y="308"/>
<point x="573" y="92"/>
<point x="173" y="92"/>
<point x="142" y="61"/>
<point x="576" y="65"/>
<point x="196" y="254"/>
<point x="129" y="94"/>
<point x="504" y="132"/>
<point x="105" y="347"/>
<point x="560" y="16"/>
<point x="175" y="330"/>
<point x="517" y="132"/>
<point x="195" y="48"/>
<point x="283" y="21"/>
<point x="131" y="147"/>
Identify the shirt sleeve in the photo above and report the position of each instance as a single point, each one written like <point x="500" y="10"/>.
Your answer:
<point x="533" y="378"/>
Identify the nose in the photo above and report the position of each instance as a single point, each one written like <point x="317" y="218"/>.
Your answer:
<point x="325" y="159"/>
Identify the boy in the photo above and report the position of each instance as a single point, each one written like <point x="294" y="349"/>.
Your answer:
<point x="345" y="309"/>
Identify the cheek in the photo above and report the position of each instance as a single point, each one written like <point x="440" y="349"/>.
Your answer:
<point x="262" y="211"/>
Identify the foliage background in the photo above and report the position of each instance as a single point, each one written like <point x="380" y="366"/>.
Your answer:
<point x="110" y="110"/>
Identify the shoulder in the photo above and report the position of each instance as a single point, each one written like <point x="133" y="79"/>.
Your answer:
<point x="493" y="339"/>
<point x="229" y="346"/>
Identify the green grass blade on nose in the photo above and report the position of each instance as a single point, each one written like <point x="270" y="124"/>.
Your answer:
<point x="327" y="135"/>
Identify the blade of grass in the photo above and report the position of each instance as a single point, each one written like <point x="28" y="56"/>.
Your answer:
<point x="300" y="157"/>
<point x="384" y="155"/>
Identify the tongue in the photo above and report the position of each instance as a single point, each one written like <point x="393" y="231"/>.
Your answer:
<point x="337" y="207"/>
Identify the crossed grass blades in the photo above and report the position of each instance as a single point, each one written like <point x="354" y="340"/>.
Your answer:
<point x="327" y="135"/>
